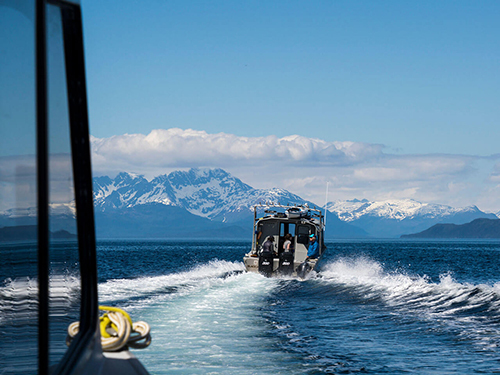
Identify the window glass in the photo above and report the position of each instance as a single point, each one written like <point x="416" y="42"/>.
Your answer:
<point x="268" y="228"/>
<point x="287" y="228"/>
<point x="18" y="193"/>
<point x="303" y="234"/>
<point x="18" y="190"/>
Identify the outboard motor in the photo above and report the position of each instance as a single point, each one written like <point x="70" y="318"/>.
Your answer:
<point x="286" y="263"/>
<point x="303" y="269"/>
<point x="266" y="263"/>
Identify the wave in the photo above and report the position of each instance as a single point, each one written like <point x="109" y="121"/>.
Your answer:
<point x="472" y="309"/>
<point x="208" y="317"/>
<point x="19" y="296"/>
<point x="397" y="288"/>
<point x="142" y="287"/>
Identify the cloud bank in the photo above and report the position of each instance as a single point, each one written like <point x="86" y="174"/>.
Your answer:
<point x="187" y="148"/>
<point x="305" y="165"/>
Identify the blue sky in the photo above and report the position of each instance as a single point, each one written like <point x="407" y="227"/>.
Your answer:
<point x="416" y="81"/>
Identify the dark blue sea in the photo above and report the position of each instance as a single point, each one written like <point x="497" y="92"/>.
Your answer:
<point x="374" y="307"/>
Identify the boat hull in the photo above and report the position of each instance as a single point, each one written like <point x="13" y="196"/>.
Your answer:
<point x="252" y="265"/>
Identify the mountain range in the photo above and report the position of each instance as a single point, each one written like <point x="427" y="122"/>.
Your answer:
<point x="209" y="193"/>
<point x="393" y="218"/>
<point x="211" y="203"/>
<point x="194" y="203"/>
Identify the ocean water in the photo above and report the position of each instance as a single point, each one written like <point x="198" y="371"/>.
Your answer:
<point x="382" y="307"/>
<point x="375" y="307"/>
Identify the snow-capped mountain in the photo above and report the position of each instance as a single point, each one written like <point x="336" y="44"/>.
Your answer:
<point x="209" y="193"/>
<point x="351" y="210"/>
<point x="393" y="218"/>
<point x="216" y="196"/>
<point x="213" y="203"/>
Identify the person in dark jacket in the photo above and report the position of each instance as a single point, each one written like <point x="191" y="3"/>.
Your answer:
<point x="268" y="245"/>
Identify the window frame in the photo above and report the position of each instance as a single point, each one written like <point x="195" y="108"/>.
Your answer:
<point x="88" y="337"/>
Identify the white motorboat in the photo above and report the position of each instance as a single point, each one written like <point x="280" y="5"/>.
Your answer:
<point x="301" y="223"/>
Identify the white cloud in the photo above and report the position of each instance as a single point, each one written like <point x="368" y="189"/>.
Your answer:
<point x="304" y="165"/>
<point x="184" y="148"/>
<point x="494" y="176"/>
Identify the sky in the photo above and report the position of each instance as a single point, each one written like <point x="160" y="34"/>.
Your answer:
<point x="379" y="99"/>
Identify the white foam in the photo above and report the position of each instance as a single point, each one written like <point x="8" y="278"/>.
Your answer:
<point x="128" y="288"/>
<point x="472" y="310"/>
<point x="217" y="324"/>
<point x="397" y="288"/>
<point x="203" y="320"/>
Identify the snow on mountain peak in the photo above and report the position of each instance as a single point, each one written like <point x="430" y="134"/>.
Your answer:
<point x="127" y="176"/>
<point x="217" y="195"/>
<point x="211" y="193"/>
<point x="400" y="209"/>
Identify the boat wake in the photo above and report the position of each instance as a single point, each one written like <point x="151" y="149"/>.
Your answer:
<point x="472" y="310"/>
<point x="208" y="317"/>
<point x="157" y="287"/>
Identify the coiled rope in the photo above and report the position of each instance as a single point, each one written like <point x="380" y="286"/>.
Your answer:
<point x="117" y="331"/>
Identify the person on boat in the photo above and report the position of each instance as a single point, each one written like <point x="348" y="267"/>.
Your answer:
<point x="313" y="251"/>
<point x="287" y="245"/>
<point x="259" y="234"/>
<point x="268" y="245"/>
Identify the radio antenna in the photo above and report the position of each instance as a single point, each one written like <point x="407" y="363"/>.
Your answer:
<point x="326" y="201"/>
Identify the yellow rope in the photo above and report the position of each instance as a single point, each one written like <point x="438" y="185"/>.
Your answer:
<point x="105" y="321"/>
<point x="117" y="330"/>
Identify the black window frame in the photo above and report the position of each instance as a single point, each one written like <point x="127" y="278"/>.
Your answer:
<point x="80" y="150"/>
